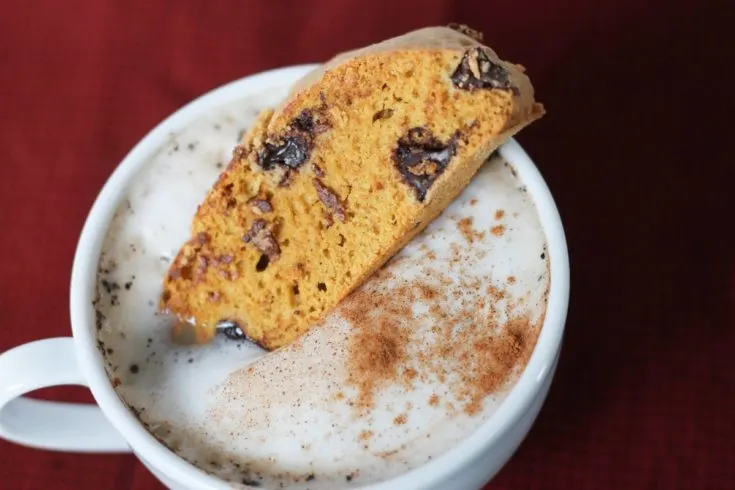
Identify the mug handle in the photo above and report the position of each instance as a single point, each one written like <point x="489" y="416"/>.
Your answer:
<point x="58" y="426"/>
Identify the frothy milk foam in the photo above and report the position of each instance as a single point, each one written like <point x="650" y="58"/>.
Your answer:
<point x="406" y="367"/>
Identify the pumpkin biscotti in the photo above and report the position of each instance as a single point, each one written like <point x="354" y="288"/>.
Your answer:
<point x="325" y="188"/>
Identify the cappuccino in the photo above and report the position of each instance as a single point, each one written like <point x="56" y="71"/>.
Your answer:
<point x="406" y="367"/>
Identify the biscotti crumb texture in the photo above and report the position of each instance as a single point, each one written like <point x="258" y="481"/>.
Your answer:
<point x="324" y="189"/>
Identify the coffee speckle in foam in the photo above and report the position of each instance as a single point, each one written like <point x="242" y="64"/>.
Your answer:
<point x="424" y="351"/>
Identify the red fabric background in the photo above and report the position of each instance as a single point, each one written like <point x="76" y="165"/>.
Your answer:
<point x="637" y="148"/>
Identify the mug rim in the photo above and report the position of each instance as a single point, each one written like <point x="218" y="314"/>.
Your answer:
<point x="84" y="279"/>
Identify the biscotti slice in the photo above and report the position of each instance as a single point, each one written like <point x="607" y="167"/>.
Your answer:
<point x="324" y="189"/>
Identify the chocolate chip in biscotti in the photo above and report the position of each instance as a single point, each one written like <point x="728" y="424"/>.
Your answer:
<point x="293" y="147"/>
<point x="310" y="122"/>
<point x="263" y="239"/>
<point x="231" y="330"/>
<point x="421" y="158"/>
<point x="383" y="114"/>
<point x="477" y="71"/>
<point x="467" y="31"/>
<point x="260" y="206"/>
<point x="304" y="122"/>
<point x="292" y="153"/>
<point x="330" y="200"/>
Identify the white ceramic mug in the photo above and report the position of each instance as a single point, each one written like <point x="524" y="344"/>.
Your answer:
<point x="111" y="427"/>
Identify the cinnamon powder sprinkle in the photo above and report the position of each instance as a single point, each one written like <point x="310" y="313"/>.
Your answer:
<point x="479" y="358"/>
<point x="410" y="374"/>
<point x="499" y="214"/>
<point x="468" y="232"/>
<point x="427" y="292"/>
<point x="379" y="347"/>
<point x="495" y="358"/>
<point x="387" y="454"/>
<point x="498" y="230"/>
<point x="495" y="293"/>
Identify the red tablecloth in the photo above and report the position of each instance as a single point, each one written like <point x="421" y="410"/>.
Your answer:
<point x="636" y="148"/>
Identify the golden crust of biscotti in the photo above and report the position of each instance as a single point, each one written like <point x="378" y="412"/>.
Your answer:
<point x="323" y="190"/>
